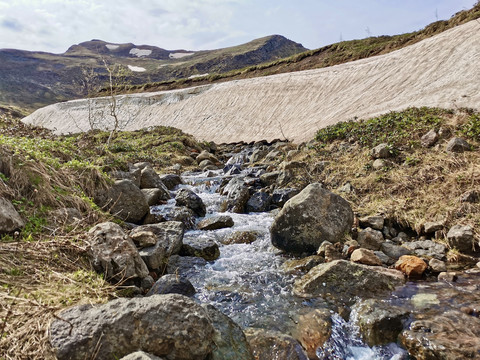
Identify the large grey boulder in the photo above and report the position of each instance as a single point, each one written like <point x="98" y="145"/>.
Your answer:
<point x="10" y="219"/>
<point x="114" y="253"/>
<point x="171" y="180"/>
<point x="169" y="242"/>
<point x="461" y="238"/>
<point x="172" y="284"/>
<point x="230" y="341"/>
<point x="124" y="200"/>
<point x="191" y="200"/>
<point x="171" y="326"/>
<point x="345" y="280"/>
<point x="237" y="196"/>
<point x="153" y="196"/>
<point x="268" y="344"/>
<point x="150" y="179"/>
<point x="259" y="202"/>
<point x="309" y="218"/>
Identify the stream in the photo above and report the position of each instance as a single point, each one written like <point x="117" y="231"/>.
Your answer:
<point x="247" y="282"/>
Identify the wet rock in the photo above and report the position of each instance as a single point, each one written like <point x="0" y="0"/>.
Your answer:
<point x="429" y="139"/>
<point x="411" y="266"/>
<point x="447" y="276"/>
<point x="215" y="222"/>
<point x="374" y="222"/>
<point x="302" y="265"/>
<point x="232" y="169"/>
<point x="281" y="196"/>
<point x="171" y="180"/>
<point x="267" y="344"/>
<point x="237" y="196"/>
<point x="172" y="284"/>
<point x="381" y="151"/>
<point x="241" y="237"/>
<point x="204" y="248"/>
<point x="451" y="335"/>
<point x="123" y="200"/>
<point x="153" y="196"/>
<point x="344" y="280"/>
<point x="229" y="339"/>
<point x="140" y="355"/>
<point x="191" y="200"/>
<point x="309" y="218"/>
<point x="427" y="248"/>
<point x="172" y="326"/>
<point x="313" y="330"/>
<point x="180" y="265"/>
<point x="380" y="322"/>
<point x="169" y="242"/>
<point x="437" y="266"/>
<point x="461" y="238"/>
<point x="183" y="214"/>
<point x="114" y="253"/>
<point x="258" y="202"/>
<point x="457" y="145"/>
<point x="370" y="239"/>
<point x="366" y="257"/>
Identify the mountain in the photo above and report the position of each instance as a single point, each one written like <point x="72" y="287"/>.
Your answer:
<point x="35" y="79"/>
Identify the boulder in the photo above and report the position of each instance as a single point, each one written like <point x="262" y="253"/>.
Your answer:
<point x="204" y="248"/>
<point x="180" y="265"/>
<point x="123" y="175"/>
<point x="431" y="227"/>
<point x="312" y="330"/>
<point x="10" y="219"/>
<point x="370" y="239"/>
<point x="172" y="284"/>
<point x="153" y="196"/>
<point x="171" y="180"/>
<point x="457" y="145"/>
<point x="150" y="179"/>
<point x="191" y="200"/>
<point x="412" y="266"/>
<point x="205" y="155"/>
<point x="437" y="266"/>
<point x="381" y="151"/>
<point x="281" y="196"/>
<point x="230" y="341"/>
<point x="258" y="202"/>
<point x="380" y="322"/>
<point x="461" y="238"/>
<point x="345" y="280"/>
<point x="303" y="265"/>
<point x="140" y="355"/>
<point x="366" y="257"/>
<point x="216" y="222"/>
<point x="429" y="139"/>
<point x="427" y="248"/>
<point x="114" y="253"/>
<point x="172" y="326"/>
<point x="268" y="344"/>
<point x="183" y="214"/>
<point x="309" y="218"/>
<point x="169" y="242"/>
<point x="240" y="237"/>
<point x="451" y="335"/>
<point x="124" y="200"/>
<point x="374" y="222"/>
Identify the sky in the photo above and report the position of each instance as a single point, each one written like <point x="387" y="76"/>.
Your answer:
<point x="54" y="25"/>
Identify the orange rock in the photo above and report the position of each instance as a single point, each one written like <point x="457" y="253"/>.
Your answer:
<point x="411" y="266"/>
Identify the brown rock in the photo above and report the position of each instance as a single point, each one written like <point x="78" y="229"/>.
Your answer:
<point x="366" y="257"/>
<point x="411" y="266"/>
<point x="313" y="330"/>
<point x="241" y="237"/>
<point x="274" y="345"/>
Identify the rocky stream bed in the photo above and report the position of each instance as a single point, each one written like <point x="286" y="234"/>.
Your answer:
<point x="210" y="284"/>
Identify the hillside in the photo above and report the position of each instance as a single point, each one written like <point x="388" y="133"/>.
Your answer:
<point x="35" y="79"/>
<point x="440" y="71"/>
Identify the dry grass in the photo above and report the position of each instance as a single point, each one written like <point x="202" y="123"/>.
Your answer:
<point x="37" y="280"/>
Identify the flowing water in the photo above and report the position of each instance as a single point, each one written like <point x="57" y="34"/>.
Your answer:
<point x="247" y="282"/>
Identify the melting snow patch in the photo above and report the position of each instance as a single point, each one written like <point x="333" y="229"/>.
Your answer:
<point x="136" y="68"/>
<point x="179" y="55"/>
<point x="112" y="47"/>
<point x="140" y="52"/>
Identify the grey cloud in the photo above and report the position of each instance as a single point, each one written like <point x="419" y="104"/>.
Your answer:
<point x="11" y="24"/>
